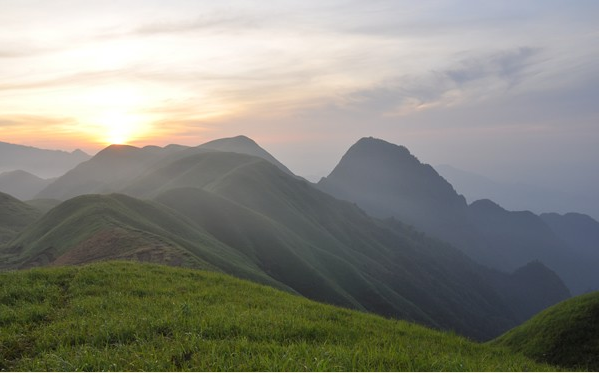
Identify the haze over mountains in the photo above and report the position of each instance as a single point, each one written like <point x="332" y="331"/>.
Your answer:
<point x="230" y="206"/>
<point x="40" y="162"/>
<point x="519" y="196"/>
<point x="386" y="180"/>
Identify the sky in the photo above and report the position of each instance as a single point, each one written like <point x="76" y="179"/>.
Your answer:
<point x="508" y="89"/>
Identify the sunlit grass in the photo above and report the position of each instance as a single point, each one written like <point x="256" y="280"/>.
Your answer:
<point x="127" y="316"/>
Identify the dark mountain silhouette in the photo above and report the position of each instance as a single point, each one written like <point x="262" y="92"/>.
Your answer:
<point x="41" y="162"/>
<point x="386" y="180"/>
<point x="22" y="184"/>
<point x="242" y="215"/>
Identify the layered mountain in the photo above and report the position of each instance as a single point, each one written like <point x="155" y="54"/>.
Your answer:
<point x="14" y="216"/>
<point x="112" y="169"/>
<point x="242" y="215"/>
<point x="516" y="196"/>
<point x="22" y="184"/>
<point x="386" y="180"/>
<point x="41" y="162"/>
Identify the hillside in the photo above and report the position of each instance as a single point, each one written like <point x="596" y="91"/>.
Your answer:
<point x="566" y="334"/>
<point x="127" y="317"/>
<point x="41" y="162"/>
<point x="244" y="145"/>
<point x="21" y="184"/>
<point x="14" y="216"/>
<point x="387" y="180"/>
<point x="241" y="215"/>
<point x="117" y="166"/>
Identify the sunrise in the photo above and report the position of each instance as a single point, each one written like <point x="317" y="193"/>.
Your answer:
<point x="332" y="185"/>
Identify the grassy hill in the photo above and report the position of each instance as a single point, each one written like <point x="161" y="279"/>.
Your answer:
<point x="14" y="216"/>
<point x="124" y="316"/>
<point x="566" y="334"/>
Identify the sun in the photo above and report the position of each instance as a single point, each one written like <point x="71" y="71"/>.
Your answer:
<point x="119" y="127"/>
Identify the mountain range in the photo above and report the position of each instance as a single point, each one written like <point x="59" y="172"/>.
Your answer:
<point x="40" y="162"/>
<point x="386" y="180"/>
<point x="231" y="207"/>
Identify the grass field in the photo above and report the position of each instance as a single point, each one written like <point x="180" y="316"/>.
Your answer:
<point x="131" y="316"/>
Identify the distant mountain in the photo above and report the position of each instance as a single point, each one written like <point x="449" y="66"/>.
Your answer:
<point x="244" y="145"/>
<point x="14" y="216"/>
<point x="514" y="196"/>
<point x="386" y="180"/>
<point x="241" y="215"/>
<point x="22" y="184"/>
<point x="566" y="335"/>
<point x="113" y="168"/>
<point x="41" y="162"/>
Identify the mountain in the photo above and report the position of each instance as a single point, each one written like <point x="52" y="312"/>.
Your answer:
<point x="515" y="196"/>
<point x="124" y="316"/>
<point x="14" y="216"/>
<point x="22" y="184"/>
<point x="566" y="335"/>
<point x="244" y="145"/>
<point x="118" y="165"/>
<point x="386" y="180"/>
<point x="41" y="162"/>
<point x="242" y="215"/>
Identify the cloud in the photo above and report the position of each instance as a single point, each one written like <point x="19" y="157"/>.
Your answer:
<point x="470" y="79"/>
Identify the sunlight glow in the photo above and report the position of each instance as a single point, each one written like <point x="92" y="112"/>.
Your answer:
<point x="120" y="127"/>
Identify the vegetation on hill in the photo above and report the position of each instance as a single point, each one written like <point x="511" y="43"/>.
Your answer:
<point x="14" y="216"/>
<point x="124" y="316"/>
<point x="566" y="334"/>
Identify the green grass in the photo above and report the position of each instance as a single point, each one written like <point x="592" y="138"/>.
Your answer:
<point x="130" y="316"/>
<point x="566" y="334"/>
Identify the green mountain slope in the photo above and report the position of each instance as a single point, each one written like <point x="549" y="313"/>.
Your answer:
<point x="126" y="317"/>
<point x="112" y="169"/>
<point x="102" y="227"/>
<point x="14" y="216"/>
<point x="566" y="334"/>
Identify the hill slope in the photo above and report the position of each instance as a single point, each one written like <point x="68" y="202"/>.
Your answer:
<point x="126" y="316"/>
<point x="566" y="334"/>
<point x="14" y="216"/>
<point x="116" y="166"/>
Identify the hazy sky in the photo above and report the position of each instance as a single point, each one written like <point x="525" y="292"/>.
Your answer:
<point x="509" y="89"/>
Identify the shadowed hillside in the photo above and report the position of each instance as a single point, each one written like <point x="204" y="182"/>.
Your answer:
<point x="566" y="334"/>
<point x="14" y="216"/>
